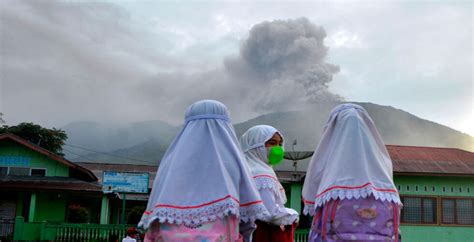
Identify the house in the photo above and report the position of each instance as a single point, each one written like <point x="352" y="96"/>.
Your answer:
<point x="38" y="185"/>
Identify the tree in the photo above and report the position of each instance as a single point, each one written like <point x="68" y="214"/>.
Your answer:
<point x="2" y="121"/>
<point x="77" y="214"/>
<point x="135" y="214"/>
<point x="50" y="139"/>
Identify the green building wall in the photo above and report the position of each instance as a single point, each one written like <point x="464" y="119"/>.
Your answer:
<point x="436" y="234"/>
<point x="36" y="160"/>
<point x="436" y="186"/>
<point x="50" y="207"/>
<point x="19" y="204"/>
<point x="453" y="186"/>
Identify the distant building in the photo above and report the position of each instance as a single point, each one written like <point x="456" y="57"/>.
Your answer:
<point x="437" y="190"/>
<point x="39" y="185"/>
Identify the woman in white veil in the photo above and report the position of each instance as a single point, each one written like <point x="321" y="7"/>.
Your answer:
<point x="203" y="186"/>
<point x="263" y="147"/>
<point x="349" y="186"/>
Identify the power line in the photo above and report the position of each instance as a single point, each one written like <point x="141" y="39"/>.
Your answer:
<point x="81" y="156"/>
<point x="105" y="153"/>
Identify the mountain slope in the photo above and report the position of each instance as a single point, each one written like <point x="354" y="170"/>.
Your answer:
<point x="147" y="141"/>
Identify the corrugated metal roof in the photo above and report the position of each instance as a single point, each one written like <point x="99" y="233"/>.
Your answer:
<point x="48" y="184"/>
<point x="434" y="160"/>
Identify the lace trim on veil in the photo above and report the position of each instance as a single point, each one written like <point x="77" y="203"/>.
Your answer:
<point x="194" y="216"/>
<point x="267" y="182"/>
<point x="341" y="193"/>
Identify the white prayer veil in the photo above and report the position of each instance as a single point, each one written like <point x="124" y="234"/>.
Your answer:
<point x="253" y="144"/>
<point x="351" y="161"/>
<point x="202" y="176"/>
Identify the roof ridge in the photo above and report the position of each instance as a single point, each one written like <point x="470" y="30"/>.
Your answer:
<point x="429" y="147"/>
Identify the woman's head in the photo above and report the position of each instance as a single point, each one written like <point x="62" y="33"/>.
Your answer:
<point x="261" y="136"/>
<point x="259" y="141"/>
<point x="347" y="114"/>
<point x="204" y="156"/>
<point x="205" y="109"/>
<point x="351" y="159"/>
<point x="275" y="140"/>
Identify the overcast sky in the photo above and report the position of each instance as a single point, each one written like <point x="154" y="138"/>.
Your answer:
<point x="122" y="61"/>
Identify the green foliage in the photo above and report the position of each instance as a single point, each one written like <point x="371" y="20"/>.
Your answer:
<point x="77" y="214"/>
<point x="50" y="139"/>
<point x="134" y="216"/>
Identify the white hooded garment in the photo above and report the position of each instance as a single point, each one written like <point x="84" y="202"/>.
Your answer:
<point x="272" y="192"/>
<point x="351" y="161"/>
<point x="203" y="175"/>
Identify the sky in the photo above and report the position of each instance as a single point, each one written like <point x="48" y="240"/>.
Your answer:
<point x="132" y="61"/>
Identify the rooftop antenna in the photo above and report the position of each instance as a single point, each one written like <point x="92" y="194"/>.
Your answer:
<point x="295" y="164"/>
<point x="295" y="156"/>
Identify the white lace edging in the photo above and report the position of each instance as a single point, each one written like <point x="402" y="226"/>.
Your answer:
<point x="194" y="217"/>
<point x="269" y="183"/>
<point x="253" y="212"/>
<point x="341" y="194"/>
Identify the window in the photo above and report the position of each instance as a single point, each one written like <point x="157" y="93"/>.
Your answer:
<point x="419" y="210"/>
<point x="465" y="211"/>
<point x="3" y="171"/>
<point x="38" y="172"/>
<point x="457" y="211"/>
<point x="411" y="210"/>
<point x="424" y="210"/>
<point x="448" y="211"/>
<point x="19" y="171"/>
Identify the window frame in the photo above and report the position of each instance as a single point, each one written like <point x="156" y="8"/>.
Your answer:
<point x="39" y="168"/>
<point x="30" y="170"/>
<point x="8" y="170"/>
<point x="422" y="197"/>
<point x="456" y="223"/>
<point x="16" y="167"/>
<point x="439" y="211"/>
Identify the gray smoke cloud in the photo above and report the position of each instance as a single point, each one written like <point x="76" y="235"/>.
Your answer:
<point x="72" y="61"/>
<point x="287" y="60"/>
<point x="280" y="66"/>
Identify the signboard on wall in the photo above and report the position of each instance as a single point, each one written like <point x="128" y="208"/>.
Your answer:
<point x="125" y="182"/>
<point x="14" y="160"/>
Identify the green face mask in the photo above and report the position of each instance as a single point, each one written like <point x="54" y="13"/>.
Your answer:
<point x="275" y="155"/>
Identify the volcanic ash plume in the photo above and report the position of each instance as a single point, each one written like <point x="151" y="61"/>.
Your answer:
<point x="289" y="58"/>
